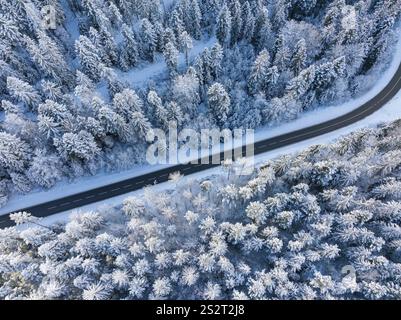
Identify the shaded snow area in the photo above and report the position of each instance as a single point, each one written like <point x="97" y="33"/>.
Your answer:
<point x="140" y="77"/>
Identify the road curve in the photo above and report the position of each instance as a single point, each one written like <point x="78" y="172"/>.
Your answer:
<point x="129" y="185"/>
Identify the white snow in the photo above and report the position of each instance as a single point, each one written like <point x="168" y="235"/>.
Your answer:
<point x="64" y="188"/>
<point x="168" y="3"/>
<point x="71" y="23"/>
<point x="138" y="77"/>
<point x="323" y="114"/>
<point x="390" y="112"/>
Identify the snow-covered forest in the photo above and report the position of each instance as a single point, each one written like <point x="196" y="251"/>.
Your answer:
<point x="72" y="104"/>
<point x="324" y="223"/>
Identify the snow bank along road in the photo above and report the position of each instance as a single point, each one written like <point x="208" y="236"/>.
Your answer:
<point x="129" y="185"/>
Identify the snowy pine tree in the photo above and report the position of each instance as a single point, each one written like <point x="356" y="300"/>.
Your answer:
<point x="258" y="80"/>
<point x="129" y="52"/>
<point x="23" y="92"/>
<point x="298" y="60"/>
<point x="237" y="22"/>
<point x="223" y="29"/>
<point x="14" y="153"/>
<point x="171" y="58"/>
<point x="248" y="22"/>
<point x="148" y="39"/>
<point x="219" y="102"/>
<point x="89" y="58"/>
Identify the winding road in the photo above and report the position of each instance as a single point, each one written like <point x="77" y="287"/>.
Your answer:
<point x="129" y="185"/>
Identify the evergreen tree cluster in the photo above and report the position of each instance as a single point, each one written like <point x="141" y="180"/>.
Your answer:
<point x="324" y="223"/>
<point x="66" y="111"/>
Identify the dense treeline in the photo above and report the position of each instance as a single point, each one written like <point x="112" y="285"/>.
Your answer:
<point x="324" y="223"/>
<point x="66" y="112"/>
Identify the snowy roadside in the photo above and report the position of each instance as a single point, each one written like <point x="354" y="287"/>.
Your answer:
<point x="326" y="113"/>
<point x="387" y="113"/>
<point x="136" y="77"/>
<point x="390" y="112"/>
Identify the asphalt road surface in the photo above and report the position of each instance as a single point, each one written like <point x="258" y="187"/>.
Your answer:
<point x="129" y="185"/>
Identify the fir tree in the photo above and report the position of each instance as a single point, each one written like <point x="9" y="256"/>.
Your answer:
<point x="223" y="29"/>
<point x="216" y="59"/>
<point x="236" y="22"/>
<point x="264" y="36"/>
<point x="126" y="102"/>
<point x="148" y="39"/>
<point x="219" y="102"/>
<point x="195" y="16"/>
<point x="187" y="45"/>
<point x="171" y="57"/>
<point x="185" y="91"/>
<point x="14" y="153"/>
<point x="90" y="60"/>
<point x="176" y="23"/>
<point x="258" y="80"/>
<point x="23" y="92"/>
<point x="9" y="30"/>
<point x="248" y="25"/>
<point x="129" y="53"/>
<point x="282" y="55"/>
<point x="298" y="60"/>
<point x="79" y="145"/>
